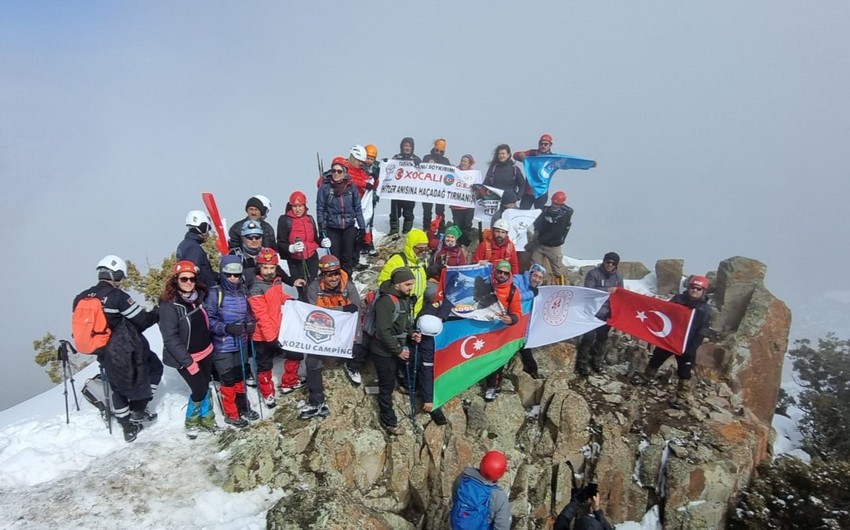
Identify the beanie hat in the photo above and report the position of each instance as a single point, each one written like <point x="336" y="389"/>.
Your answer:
<point x="612" y="256"/>
<point x="453" y="230"/>
<point x="504" y="266"/>
<point x="536" y="267"/>
<point x="440" y="145"/>
<point x="258" y="204"/>
<point x="401" y="275"/>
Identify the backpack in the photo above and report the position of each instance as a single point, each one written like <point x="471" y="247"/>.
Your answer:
<point x="488" y="250"/>
<point x="89" y="327"/>
<point x="471" y="505"/>
<point x="370" y="324"/>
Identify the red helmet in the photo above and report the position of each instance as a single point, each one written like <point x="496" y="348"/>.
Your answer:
<point x="297" y="198"/>
<point x="545" y="138"/>
<point x="493" y="465"/>
<point x="559" y="198"/>
<point x="341" y="161"/>
<point x="267" y="256"/>
<point x="699" y="281"/>
<point x="185" y="266"/>
<point x="329" y="263"/>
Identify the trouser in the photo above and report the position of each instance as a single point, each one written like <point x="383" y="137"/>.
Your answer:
<point x="551" y="254"/>
<point x="229" y="365"/>
<point x="265" y="362"/>
<point x="199" y="383"/>
<point x="426" y="370"/>
<point x="529" y="364"/>
<point x="399" y="209"/>
<point x="124" y="401"/>
<point x="463" y="219"/>
<point x="358" y="358"/>
<point x="684" y="362"/>
<point x="297" y="267"/>
<point x="315" y="381"/>
<point x="386" y="370"/>
<point x="592" y="346"/>
<point x="342" y="246"/>
<point x="426" y="215"/>
<point x="494" y="380"/>
<point x="291" y="363"/>
<point x="528" y="202"/>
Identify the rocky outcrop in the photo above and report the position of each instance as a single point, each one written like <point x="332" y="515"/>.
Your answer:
<point x="345" y="472"/>
<point x="668" y="276"/>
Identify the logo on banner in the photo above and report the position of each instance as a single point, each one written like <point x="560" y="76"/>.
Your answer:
<point x="556" y="307"/>
<point x="319" y="327"/>
<point x="449" y="179"/>
<point x="490" y="206"/>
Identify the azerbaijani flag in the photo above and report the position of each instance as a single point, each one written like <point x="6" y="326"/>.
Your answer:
<point x="469" y="350"/>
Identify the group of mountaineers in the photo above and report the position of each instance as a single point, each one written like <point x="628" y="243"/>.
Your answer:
<point x="221" y="329"/>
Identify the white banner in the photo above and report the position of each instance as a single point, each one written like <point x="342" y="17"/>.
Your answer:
<point x="366" y="207"/>
<point x="317" y="331"/>
<point x="521" y="222"/>
<point x="428" y="183"/>
<point x="563" y="312"/>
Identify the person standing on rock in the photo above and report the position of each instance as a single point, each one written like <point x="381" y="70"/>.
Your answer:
<point x="477" y="500"/>
<point x="696" y="298"/>
<point x="511" y="303"/>
<point x="528" y="284"/>
<point x="591" y="349"/>
<point x="400" y="208"/>
<point x="550" y="231"/>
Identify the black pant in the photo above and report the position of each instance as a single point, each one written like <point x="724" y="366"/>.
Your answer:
<point x="463" y="220"/>
<point x="297" y="266"/>
<point x="528" y="202"/>
<point x="529" y="365"/>
<point x="399" y="209"/>
<point x="386" y="369"/>
<point x="315" y="381"/>
<point x="358" y="358"/>
<point x="684" y="362"/>
<point x="265" y="354"/>
<point x="342" y="246"/>
<point x="426" y="215"/>
<point x="494" y="380"/>
<point x="425" y="380"/>
<point x="595" y="337"/>
<point x="199" y="384"/>
<point x="230" y="366"/>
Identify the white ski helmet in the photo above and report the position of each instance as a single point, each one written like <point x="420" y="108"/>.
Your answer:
<point x="430" y="325"/>
<point x="196" y="218"/>
<point x="501" y="224"/>
<point x="112" y="267"/>
<point x="266" y="202"/>
<point x="358" y="152"/>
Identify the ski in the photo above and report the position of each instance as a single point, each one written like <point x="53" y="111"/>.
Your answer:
<point x="212" y="208"/>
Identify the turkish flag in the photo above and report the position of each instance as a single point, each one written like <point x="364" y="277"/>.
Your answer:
<point x="658" y="322"/>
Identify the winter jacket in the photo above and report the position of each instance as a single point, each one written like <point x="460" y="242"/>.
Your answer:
<point x="488" y="250"/>
<point x="359" y="178"/>
<point x="234" y="235"/>
<point x="391" y="332"/>
<point x="601" y="280"/>
<point x="500" y="508"/>
<point x="436" y="158"/>
<point x="345" y="293"/>
<point x="374" y="172"/>
<point x="291" y="228"/>
<point x="412" y="157"/>
<point x="446" y="257"/>
<point x="510" y="298"/>
<point x="590" y="521"/>
<point x="553" y="225"/>
<point x="407" y="258"/>
<point x="701" y="323"/>
<point x="233" y="308"/>
<point x="118" y="305"/>
<point x="190" y="250"/>
<point x="185" y="330"/>
<point x="505" y="176"/>
<point x="526" y="291"/>
<point x="266" y="298"/>
<point x="341" y="211"/>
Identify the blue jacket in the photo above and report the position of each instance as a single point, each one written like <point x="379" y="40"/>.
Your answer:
<point x="233" y="308"/>
<point x="523" y="283"/>
<point x="338" y="212"/>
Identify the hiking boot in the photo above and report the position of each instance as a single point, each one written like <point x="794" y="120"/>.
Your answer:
<point x="142" y="416"/>
<point x="683" y="394"/>
<point x="362" y="264"/>
<point x="270" y="402"/>
<point x="237" y="422"/>
<point x="353" y="376"/>
<point x="289" y="389"/>
<point x="373" y="252"/>
<point x="312" y="411"/>
<point x="250" y="381"/>
<point x="536" y="375"/>
<point x="395" y="430"/>
<point x="250" y="415"/>
<point x="393" y="234"/>
<point x="583" y="369"/>
<point x="192" y="432"/>
<point x="438" y="417"/>
<point x="597" y="365"/>
<point x="646" y="378"/>
<point x="490" y="395"/>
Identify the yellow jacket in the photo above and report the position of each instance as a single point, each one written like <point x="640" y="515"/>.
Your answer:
<point x="414" y="237"/>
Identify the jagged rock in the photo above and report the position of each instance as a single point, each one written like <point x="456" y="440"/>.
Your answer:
<point x="632" y="270"/>
<point x="322" y="508"/>
<point x="737" y="279"/>
<point x="668" y="275"/>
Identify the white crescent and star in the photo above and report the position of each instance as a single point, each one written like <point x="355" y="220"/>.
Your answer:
<point x="666" y="328"/>
<point x="479" y="344"/>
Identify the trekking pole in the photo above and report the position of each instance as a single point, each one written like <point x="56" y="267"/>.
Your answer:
<point x="107" y="397"/>
<point x="67" y="373"/>
<point x="415" y="368"/>
<point x="257" y="371"/>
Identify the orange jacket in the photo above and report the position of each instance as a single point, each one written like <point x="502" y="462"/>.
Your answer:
<point x="489" y="251"/>
<point x="512" y="304"/>
<point x="266" y="299"/>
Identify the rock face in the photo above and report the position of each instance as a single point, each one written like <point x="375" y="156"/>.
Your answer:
<point x="345" y="472"/>
<point x="668" y="274"/>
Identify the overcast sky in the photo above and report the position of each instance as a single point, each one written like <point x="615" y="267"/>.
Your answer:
<point x="720" y="128"/>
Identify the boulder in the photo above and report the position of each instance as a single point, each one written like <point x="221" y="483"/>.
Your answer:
<point x="737" y="280"/>
<point x="668" y="275"/>
<point x="632" y="270"/>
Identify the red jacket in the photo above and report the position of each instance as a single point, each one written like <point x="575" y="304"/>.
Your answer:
<point x="489" y="251"/>
<point x="266" y="299"/>
<point x="291" y="228"/>
<point x="512" y="304"/>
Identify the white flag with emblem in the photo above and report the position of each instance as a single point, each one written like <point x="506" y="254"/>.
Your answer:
<point x="317" y="331"/>
<point x="563" y="312"/>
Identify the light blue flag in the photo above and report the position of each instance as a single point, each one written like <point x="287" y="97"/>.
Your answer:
<point x="539" y="169"/>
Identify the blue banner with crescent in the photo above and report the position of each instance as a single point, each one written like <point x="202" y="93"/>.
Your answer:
<point x="539" y="169"/>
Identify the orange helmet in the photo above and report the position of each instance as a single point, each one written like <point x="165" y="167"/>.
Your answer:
<point x="493" y="465"/>
<point x="329" y="263"/>
<point x="559" y="198"/>
<point x="267" y="256"/>
<point x="185" y="266"/>
<point x="372" y="151"/>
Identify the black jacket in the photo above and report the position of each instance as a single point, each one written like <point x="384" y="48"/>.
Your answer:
<point x="505" y="176"/>
<point x="701" y="323"/>
<point x="234" y="235"/>
<point x="590" y="521"/>
<point x="553" y="225"/>
<point x="436" y="158"/>
<point x="190" y="250"/>
<point x="182" y="323"/>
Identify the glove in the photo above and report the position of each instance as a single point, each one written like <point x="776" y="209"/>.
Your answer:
<point x="250" y="327"/>
<point x="193" y="368"/>
<point x="361" y="233"/>
<point x="375" y="199"/>
<point x="369" y="186"/>
<point x="326" y="243"/>
<point x="350" y="308"/>
<point x="236" y="329"/>
<point x="296" y="247"/>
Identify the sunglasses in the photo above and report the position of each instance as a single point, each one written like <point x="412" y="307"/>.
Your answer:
<point x="610" y="262"/>
<point x="233" y="274"/>
<point x="186" y="279"/>
<point x="696" y="288"/>
<point x="254" y="238"/>
<point x="338" y="171"/>
<point x="503" y="273"/>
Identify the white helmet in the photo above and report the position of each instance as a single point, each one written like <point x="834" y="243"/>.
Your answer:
<point x="501" y="224"/>
<point x="196" y="218"/>
<point x="430" y="325"/>
<point x="358" y="152"/>
<point x="265" y="200"/>
<point x="112" y="267"/>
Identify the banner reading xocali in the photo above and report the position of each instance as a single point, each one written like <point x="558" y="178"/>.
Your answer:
<point x="318" y="331"/>
<point x="428" y="183"/>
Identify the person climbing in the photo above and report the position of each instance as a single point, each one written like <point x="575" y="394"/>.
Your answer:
<point x="477" y="499"/>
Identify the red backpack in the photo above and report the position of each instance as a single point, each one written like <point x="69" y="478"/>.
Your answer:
<point x="89" y="327"/>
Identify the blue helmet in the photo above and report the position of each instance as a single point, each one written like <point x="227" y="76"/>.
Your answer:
<point x="250" y="227"/>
